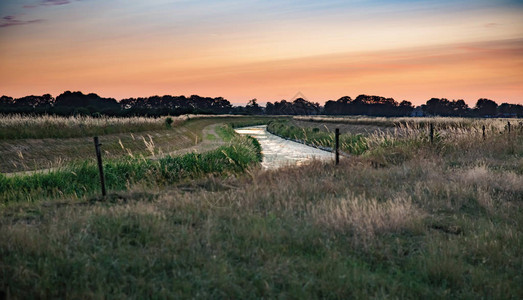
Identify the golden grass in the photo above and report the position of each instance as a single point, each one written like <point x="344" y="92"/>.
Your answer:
<point x="21" y="127"/>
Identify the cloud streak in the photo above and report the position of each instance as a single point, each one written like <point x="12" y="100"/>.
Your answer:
<point x="48" y="3"/>
<point x="12" y="20"/>
<point x="55" y="2"/>
<point x="9" y="21"/>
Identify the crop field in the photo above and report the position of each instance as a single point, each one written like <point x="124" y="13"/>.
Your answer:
<point x="403" y="215"/>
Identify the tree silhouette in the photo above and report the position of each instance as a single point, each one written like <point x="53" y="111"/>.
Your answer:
<point x="486" y="107"/>
<point x="252" y="107"/>
<point x="77" y="103"/>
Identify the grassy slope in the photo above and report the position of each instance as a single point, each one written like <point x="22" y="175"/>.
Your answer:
<point x="32" y="154"/>
<point x="408" y="221"/>
<point x="81" y="179"/>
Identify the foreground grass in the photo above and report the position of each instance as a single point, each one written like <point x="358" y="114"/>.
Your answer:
<point x="406" y="220"/>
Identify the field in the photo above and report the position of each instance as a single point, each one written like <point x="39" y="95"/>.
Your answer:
<point x="401" y="217"/>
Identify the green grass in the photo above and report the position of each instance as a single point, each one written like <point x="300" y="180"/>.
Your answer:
<point x="226" y="132"/>
<point x="82" y="179"/>
<point x="254" y="121"/>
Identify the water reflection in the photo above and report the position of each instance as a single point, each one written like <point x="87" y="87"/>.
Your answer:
<point x="278" y="152"/>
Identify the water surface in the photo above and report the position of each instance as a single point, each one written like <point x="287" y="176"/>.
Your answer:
<point x="278" y="152"/>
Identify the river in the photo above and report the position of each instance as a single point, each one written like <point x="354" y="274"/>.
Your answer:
<point x="278" y="152"/>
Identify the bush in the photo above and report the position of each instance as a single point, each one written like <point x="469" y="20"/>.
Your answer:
<point x="168" y="122"/>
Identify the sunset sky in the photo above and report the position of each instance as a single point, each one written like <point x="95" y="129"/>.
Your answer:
<point x="264" y="49"/>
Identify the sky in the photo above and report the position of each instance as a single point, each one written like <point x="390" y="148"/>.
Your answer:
<point x="270" y="50"/>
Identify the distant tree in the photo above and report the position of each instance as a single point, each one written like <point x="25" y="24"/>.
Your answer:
<point x="510" y="110"/>
<point x="459" y="107"/>
<point x="345" y="100"/>
<point x="44" y="101"/>
<point x="331" y="108"/>
<point x="405" y="103"/>
<point x="6" y="100"/>
<point x="269" y="108"/>
<point x="444" y="107"/>
<point x="174" y="105"/>
<point x="301" y="106"/>
<point x="405" y="108"/>
<point x="283" y="108"/>
<point x="78" y="103"/>
<point x="486" y="107"/>
<point x="437" y="107"/>
<point x="253" y="108"/>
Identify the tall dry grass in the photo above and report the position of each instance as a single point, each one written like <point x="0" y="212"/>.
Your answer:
<point x="20" y="127"/>
<point x="366" y="218"/>
<point x="418" y="122"/>
<point x="38" y="127"/>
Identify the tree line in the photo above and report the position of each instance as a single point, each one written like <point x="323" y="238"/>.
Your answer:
<point x="77" y="103"/>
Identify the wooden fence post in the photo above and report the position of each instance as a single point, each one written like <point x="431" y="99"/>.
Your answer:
<point x="337" y="145"/>
<point x="100" y="166"/>
<point x="431" y="133"/>
<point x="484" y="136"/>
<point x="508" y="126"/>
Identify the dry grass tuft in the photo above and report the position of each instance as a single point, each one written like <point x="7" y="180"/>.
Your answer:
<point x="367" y="217"/>
<point x="481" y="176"/>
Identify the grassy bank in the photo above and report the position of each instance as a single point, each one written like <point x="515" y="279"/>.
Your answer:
<point x="80" y="179"/>
<point x="43" y="153"/>
<point x="405" y="134"/>
<point x="407" y="219"/>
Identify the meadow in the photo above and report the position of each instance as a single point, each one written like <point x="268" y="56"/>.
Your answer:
<point x="402" y="217"/>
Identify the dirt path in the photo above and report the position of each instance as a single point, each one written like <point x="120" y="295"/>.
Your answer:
<point x="211" y="140"/>
<point x="278" y="152"/>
